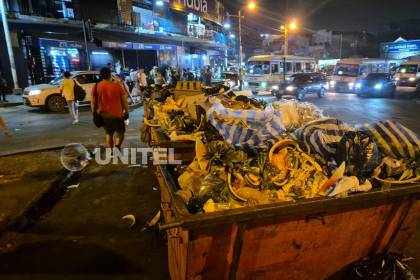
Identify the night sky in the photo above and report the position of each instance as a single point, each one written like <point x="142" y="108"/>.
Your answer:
<point x="339" y="15"/>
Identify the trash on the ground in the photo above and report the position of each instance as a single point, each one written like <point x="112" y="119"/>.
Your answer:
<point x="155" y="220"/>
<point x="131" y="218"/>
<point x="73" y="187"/>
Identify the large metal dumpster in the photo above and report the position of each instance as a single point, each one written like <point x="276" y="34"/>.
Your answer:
<point x="311" y="239"/>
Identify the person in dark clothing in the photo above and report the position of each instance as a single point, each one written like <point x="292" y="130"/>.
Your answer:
<point x="3" y="88"/>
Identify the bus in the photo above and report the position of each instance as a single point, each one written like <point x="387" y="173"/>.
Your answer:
<point x="347" y="71"/>
<point x="265" y="72"/>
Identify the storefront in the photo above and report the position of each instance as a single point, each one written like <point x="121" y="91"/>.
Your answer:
<point x="59" y="55"/>
<point x="133" y="55"/>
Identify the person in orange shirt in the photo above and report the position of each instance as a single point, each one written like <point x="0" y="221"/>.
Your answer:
<point x="113" y="108"/>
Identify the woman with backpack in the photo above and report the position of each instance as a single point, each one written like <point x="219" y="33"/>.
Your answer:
<point x="67" y="91"/>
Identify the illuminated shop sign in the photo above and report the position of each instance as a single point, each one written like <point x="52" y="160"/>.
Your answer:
<point x="209" y="9"/>
<point x="413" y="46"/>
<point x="49" y="43"/>
<point x="138" y="46"/>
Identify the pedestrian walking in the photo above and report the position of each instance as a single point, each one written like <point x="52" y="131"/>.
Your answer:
<point x="154" y="73"/>
<point x="207" y="76"/>
<point x="3" y="88"/>
<point x="67" y="91"/>
<point x="110" y="102"/>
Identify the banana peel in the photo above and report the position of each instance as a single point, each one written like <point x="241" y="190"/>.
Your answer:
<point x="131" y="218"/>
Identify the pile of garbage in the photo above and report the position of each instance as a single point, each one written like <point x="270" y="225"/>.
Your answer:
<point x="249" y="152"/>
<point x="322" y="157"/>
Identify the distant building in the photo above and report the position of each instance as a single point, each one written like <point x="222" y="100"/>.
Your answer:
<point x="322" y="44"/>
<point x="48" y="35"/>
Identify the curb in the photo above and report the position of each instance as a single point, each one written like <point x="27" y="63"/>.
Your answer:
<point x="10" y="104"/>
<point x="30" y="151"/>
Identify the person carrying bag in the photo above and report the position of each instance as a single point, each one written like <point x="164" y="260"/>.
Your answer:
<point x="110" y="109"/>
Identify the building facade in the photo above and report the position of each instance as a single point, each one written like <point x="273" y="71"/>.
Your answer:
<point x="50" y="35"/>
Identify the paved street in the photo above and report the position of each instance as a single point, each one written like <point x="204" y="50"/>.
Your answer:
<point x="83" y="230"/>
<point x="35" y="129"/>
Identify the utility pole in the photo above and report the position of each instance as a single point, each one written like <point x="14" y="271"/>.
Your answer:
<point x="9" y="45"/>
<point x="286" y="40"/>
<point x="241" y="58"/>
<point x="86" y="44"/>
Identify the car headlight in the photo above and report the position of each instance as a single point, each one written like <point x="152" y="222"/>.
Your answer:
<point x="34" y="92"/>
<point x="378" y="86"/>
<point x="396" y="78"/>
<point x="358" y="85"/>
<point x="412" y="79"/>
<point x="290" y="88"/>
<point x="263" y="84"/>
<point x="332" y="83"/>
<point x="275" y="88"/>
<point x="351" y="85"/>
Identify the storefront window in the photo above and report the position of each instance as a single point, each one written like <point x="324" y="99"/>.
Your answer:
<point x="55" y="59"/>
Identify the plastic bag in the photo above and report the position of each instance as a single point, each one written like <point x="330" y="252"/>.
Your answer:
<point x="360" y="153"/>
<point x="322" y="136"/>
<point x="381" y="267"/>
<point x="296" y="114"/>
<point x="394" y="139"/>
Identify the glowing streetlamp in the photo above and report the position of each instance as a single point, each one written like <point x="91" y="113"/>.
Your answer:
<point x="291" y="26"/>
<point x="250" y="6"/>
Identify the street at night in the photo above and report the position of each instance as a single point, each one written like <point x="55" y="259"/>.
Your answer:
<point x="209" y="139"/>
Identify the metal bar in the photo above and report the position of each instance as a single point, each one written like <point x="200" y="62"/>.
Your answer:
<point x="9" y="44"/>
<point x="86" y="45"/>
<point x="237" y="249"/>
<point x="240" y="48"/>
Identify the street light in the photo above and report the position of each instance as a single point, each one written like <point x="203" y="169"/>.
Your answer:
<point x="292" y="25"/>
<point x="251" y="6"/>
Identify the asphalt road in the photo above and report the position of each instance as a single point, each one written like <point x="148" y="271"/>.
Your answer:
<point x="35" y="129"/>
<point x="93" y="242"/>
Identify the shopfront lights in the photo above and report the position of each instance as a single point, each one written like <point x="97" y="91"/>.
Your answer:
<point x="159" y="3"/>
<point x="227" y="25"/>
<point x="246" y="83"/>
<point x="232" y="36"/>
<point x="34" y="92"/>
<point x="351" y="85"/>
<point x="275" y="88"/>
<point x="263" y="84"/>
<point x="358" y="85"/>
<point x="204" y="57"/>
<point x="100" y="53"/>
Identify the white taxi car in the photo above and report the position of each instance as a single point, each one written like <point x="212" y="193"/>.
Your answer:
<point x="47" y="96"/>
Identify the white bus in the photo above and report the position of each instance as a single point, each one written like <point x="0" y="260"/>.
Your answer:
<point x="408" y="75"/>
<point x="347" y="71"/>
<point x="264" y="73"/>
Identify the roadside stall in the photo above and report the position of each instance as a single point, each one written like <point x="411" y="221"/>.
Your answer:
<point x="266" y="191"/>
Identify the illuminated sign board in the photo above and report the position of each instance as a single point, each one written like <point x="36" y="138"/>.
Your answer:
<point x="138" y="46"/>
<point x="209" y="9"/>
<point x="48" y="43"/>
<point x="400" y="50"/>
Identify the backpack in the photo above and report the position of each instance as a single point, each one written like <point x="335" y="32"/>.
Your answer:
<point x="79" y="92"/>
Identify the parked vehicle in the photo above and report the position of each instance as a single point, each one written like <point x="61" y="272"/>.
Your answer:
<point x="47" y="96"/>
<point x="265" y="72"/>
<point x="299" y="85"/>
<point x="348" y="71"/>
<point x="376" y="84"/>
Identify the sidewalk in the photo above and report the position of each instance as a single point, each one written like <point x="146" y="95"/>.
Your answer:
<point x="12" y="100"/>
<point x="24" y="180"/>
<point x="83" y="234"/>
